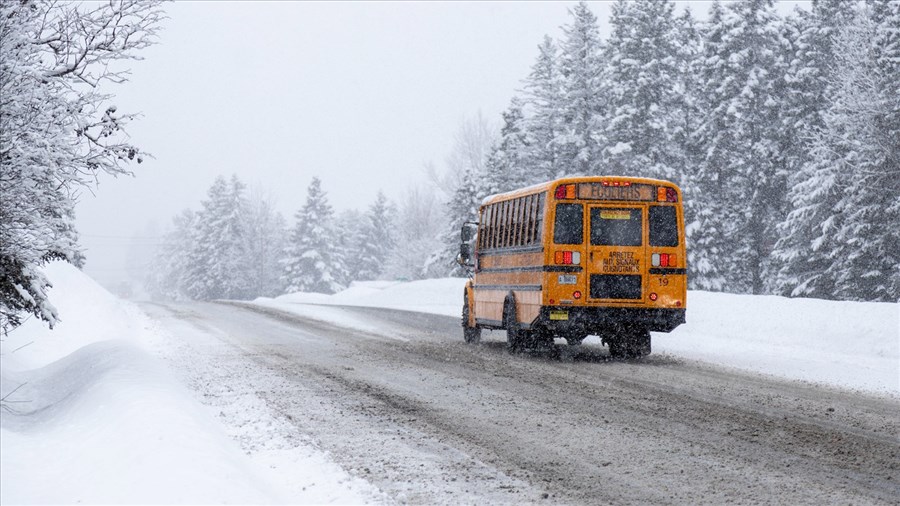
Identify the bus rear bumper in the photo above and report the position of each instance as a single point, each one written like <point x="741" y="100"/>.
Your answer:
<point x="596" y="320"/>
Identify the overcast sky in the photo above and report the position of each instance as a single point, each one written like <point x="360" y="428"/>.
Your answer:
<point x="360" y="94"/>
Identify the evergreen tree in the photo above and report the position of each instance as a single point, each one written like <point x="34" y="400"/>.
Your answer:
<point x="704" y="198"/>
<point x="854" y="167"/>
<point x="312" y="262"/>
<point x="217" y="266"/>
<point x="377" y="238"/>
<point x="583" y="103"/>
<point x="348" y="245"/>
<point x="507" y="166"/>
<point x="801" y="252"/>
<point x="264" y="232"/>
<point x="168" y="275"/>
<point x="543" y="124"/>
<point x="642" y="65"/>
<point x="743" y="177"/>
<point x="418" y="218"/>
<point x="462" y="207"/>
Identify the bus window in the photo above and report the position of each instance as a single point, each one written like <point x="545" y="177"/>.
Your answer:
<point x="663" y="226"/>
<point x="616" y="227"/>
<point x="569" y="225"/>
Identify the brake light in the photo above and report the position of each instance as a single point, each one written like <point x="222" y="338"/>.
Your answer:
<point x="565" y="191"/>
<point x="567" y="257"/>
<point x="663" y="259"/>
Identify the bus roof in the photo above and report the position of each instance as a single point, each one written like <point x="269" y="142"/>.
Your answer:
<point x="549" y="185"/>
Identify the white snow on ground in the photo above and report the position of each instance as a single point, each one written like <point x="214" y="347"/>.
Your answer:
<point x="853" y="345"/>
<point x="92" y="416"/>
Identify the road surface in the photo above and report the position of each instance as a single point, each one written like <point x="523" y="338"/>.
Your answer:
<point x="428" y="419"/>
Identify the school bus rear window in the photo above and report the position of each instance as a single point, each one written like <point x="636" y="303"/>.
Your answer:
<point x="663" y="226"/>
<point x="616" y="227"/>
<point x="569" y="225"/>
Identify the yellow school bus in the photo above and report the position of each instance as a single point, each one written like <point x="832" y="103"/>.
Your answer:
<point x="575" y="257"/>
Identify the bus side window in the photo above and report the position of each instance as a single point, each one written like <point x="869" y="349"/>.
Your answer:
<point x="483" y="227"/>
<point x="569" y="225"/>
<point x="663" y="226"/>
<point x="539" y="220"/>
<point x="529" y="220"/>
<point x="495" y="226"/>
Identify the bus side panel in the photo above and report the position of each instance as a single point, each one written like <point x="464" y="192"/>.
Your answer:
<point x="489" y="305"/>
<point x="500" y="274"/>
<point x="528" y="305"/>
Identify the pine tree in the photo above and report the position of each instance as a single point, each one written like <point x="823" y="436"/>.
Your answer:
<point x="854" y="167"/>
<point x="743" y="177"/>
<point x="418" y="218"/>
<point x="168" y="275"/>
<point x="583" y="103"/>
<point x="508" y="165"/>
<point x="312" y="262"/>
<point x="217" y="262"/>
<point x="377" y="238"/>
<point x="543" y="124"/>
<point x="462" y="207"/>
<point x="348" y="245"/>
<point x="641" y="110"/>
<point x="705" y="206"/>
<point x="264" y="231"/>
<point x="801" y="252"/>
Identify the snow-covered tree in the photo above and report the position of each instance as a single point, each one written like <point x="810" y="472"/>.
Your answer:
<point x="508" y="166"/>
<point x="642" y="66"/>
<point x="264" y="232"/>
<point x="58" y="130"/>
<point x="462" y="207"/>
<point x="849" y="249"/>
<point x="418" y="221"/>
<point x="167" y="279"/>
<point x="312" y="261"/>
<point x="466" y="171"/>
<point x="802" y="251"/>
<point x="742" y="179"/>
<point x="376" y="239"/>
<point x="542" y="122"/>
<point x="217" y="266"/>
<point x="584" y="97"/>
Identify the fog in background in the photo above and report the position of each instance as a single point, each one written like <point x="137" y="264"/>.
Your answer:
<point x="362" y="95"/>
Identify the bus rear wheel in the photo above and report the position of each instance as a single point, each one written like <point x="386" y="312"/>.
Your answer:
<point x="471" y="335"/>
<point x="631" y="343"/>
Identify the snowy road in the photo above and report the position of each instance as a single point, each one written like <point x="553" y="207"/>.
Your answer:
<point x="410" y="408"/>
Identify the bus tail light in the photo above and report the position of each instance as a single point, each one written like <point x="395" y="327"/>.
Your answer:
<point x="565" y="191"/>
<point x="653" y="297"/>
<point x="567" y="257"/>
<point x="665" y="194"/>
<point x="663" y="260"/>
<point x="576" y="294"/>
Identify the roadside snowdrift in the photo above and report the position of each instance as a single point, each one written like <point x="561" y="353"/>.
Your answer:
<point x="92" y="416"/>
<point x="852" y="345"/>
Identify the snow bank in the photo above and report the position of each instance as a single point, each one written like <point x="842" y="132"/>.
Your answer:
<point x="91" y="416"/>
<point x="436" y="296"/>
<point x="853" y="345"/>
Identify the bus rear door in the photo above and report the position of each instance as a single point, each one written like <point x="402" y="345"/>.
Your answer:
<point x="616" y="254"/>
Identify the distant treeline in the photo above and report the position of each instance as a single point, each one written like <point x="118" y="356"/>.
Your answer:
<point x="784" y="133"/>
